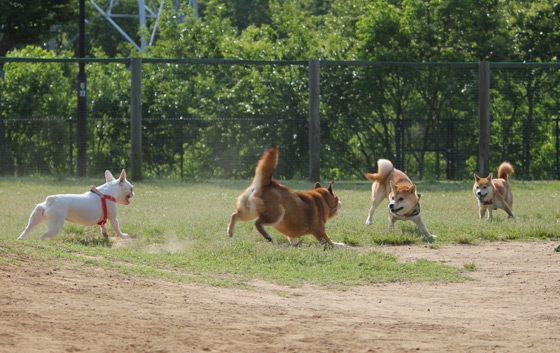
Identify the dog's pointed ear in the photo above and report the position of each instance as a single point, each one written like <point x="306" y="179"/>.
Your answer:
<point x="122" y="177"/>
<point x="490" y="175"/>
<point x="412" y="189"/>
<point x="476" y="177"/>
<point x="108" y="176"/>
<point x="393" y="187"/>
<point x="330" y="188"/>
<point x="317" y="185"/>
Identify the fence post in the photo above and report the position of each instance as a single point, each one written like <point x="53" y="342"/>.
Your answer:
<point x="314" y="122"/>
<point x="136" y="119"/>
<point x="484" y="118"/>
<point x="81" y="127"/>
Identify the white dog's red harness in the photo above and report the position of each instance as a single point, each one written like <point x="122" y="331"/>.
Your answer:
<point x="104" y="199"/>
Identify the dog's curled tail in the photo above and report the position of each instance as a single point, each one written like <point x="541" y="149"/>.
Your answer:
<point x="384" y="167"/>
<point x="504" y="170"/>
<point x="265" y="168"/>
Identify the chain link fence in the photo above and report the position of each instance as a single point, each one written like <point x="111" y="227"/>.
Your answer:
<point x="206" y="119"/>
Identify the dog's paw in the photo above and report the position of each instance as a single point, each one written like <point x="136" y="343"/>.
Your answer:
<point x="124" y="235"/>
<point x="339" y="244"/>
<point x="368" y="222"/>
<point x="429" y="239"/>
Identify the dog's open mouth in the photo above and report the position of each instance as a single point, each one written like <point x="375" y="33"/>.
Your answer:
<point x="481" y="197"/>
<point x="396" y="210"/>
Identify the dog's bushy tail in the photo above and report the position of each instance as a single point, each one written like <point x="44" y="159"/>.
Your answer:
<point x="384" y="167"/>
<point x="504" y="170"/>
<point x="265" y="168"/>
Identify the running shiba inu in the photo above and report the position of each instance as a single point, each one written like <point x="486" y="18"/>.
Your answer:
<point x="293" y="214"/>
<point x="494" y="193"/>
<point x="397" y="187"/>
<point x="93" y="207"/>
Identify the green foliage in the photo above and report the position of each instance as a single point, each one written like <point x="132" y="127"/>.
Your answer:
<point x="24" y="22"/>
<point x="37" y="98"/>
<point x="212" y="120"/>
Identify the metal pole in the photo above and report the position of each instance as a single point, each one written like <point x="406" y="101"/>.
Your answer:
<point x="81" y="129"/>
<point x="484" y="118"/>
<point x="557" y="119"/>
<point x="314" y="122"/>
<point x="136" y="119"/>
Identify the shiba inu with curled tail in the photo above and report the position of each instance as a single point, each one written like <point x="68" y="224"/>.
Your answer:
<point x="494" y="193"/>
<point x="404" y="201"/>
<point x="293" y="214"/>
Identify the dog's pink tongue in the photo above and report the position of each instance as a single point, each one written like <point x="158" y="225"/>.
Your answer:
<point x="481" y="197"/>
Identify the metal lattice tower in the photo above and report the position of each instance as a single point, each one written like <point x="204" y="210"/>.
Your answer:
<point x="146" y="10"/>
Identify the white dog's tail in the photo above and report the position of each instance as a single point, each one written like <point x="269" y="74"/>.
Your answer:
<point x="384" y="167"/>
<point x="265" y="168"/>
<point x="37" y="216"/>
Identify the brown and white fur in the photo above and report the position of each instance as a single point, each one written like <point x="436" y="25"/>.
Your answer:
<point x="86" y="208"/>
<point x="293" y="214"/>
<point x="494" y="193"/>
<point x="397" y="187"/>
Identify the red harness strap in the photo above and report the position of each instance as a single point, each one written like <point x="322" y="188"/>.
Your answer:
<point x="104" y="199"/>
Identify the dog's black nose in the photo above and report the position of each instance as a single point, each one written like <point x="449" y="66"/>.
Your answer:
<point x="391" y="206"/>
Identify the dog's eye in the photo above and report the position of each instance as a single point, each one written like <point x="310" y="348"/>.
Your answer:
<point x="401" y="198"/>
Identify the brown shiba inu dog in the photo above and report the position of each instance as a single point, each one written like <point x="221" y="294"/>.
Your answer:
<point x="293" y="214"/>
<point x="397" y="187"/>
<point x="494" y="193"/>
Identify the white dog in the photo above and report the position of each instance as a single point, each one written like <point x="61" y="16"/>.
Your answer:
<point x="92" y="207"/>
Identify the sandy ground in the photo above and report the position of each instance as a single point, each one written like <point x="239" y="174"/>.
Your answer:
<point x="511" y="305"/>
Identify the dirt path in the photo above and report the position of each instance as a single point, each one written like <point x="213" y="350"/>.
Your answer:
<point x="512" y="305"/>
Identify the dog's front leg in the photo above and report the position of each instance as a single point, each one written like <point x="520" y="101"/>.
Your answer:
<point x="392" y="221"/>
<point x="104" y="231"/>
<point x="482" y="212"/>
<point x="115" y="225"/>
<point x="427" y="235"/>
<point x="370" y="215"/>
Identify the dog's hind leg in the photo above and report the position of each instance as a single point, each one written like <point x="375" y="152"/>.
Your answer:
<point x="272" y="218"/>
<point x="36" y="217"/>
<point x="259" y="224"/>
<point x="237" y="216"/>
<point x="377" y="196"/>
<point x="323" y="238"/>
<point x="55" y="220"/>
<point x="508" y="210"/>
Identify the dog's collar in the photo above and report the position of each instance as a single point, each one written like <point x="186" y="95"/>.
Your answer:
<point x="415" y="211"/>
<point x="104" y="199"/>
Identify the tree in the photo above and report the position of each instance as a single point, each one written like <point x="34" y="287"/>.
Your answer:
<point x="26" y="22"/>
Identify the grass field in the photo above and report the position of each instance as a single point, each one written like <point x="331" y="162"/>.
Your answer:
<point x="178" y="231"/>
